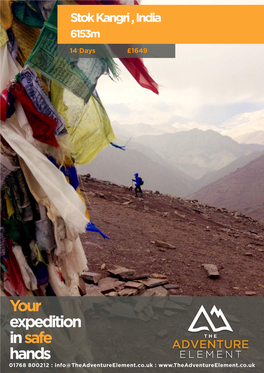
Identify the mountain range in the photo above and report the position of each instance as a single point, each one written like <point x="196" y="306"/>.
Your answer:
<point x="241" y="190"/>
<point x="256" y="137"/>
<point x="231" y="167"/>
<point x="183" y="164"/>
<point x="244" y="128"/>
<point x="120" y="166"/>
<point x="195" y="152"/>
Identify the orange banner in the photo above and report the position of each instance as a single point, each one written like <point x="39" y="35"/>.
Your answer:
<point x="160" y="24"/>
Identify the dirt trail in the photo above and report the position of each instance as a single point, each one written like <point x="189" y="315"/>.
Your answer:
<point x="200" y="233"/>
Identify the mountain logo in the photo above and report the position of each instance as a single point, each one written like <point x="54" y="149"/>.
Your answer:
<point x="215" y="311"/>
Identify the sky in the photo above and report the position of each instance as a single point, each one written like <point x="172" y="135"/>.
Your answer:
<point x="204" y="87"/>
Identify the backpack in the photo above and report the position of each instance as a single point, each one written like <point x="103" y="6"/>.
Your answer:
<point x="141" y="182"/>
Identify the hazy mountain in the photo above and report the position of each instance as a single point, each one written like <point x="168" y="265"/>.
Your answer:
<point x="179" y="163"/>
<point x="140" y="129"/>
<point x="133" y="145"/>
<point x="195" y="152"/>
<point x="254" y="147"/>
<point x="198" y="152"/>
<point x="174" y="124"/>
<point x="242" y="190"/>
<point x="119" y="167"/>
<point x="256" y="137"/>
<point x="231" y="167"/>
<point x="244" y="128"/>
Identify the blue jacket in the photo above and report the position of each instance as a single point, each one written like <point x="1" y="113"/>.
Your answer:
<point x="137" y="180"/>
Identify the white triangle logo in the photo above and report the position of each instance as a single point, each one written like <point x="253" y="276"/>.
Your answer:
<point x="215" y="311"/>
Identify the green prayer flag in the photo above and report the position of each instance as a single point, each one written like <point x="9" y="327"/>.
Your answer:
<point x="78" y="76"/>
<point x="28" y="12"/>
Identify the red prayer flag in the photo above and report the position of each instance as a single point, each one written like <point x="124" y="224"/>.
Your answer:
<point x="42" y="125"/>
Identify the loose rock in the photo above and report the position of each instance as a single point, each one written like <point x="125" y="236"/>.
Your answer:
<point x="135" y="285"/>
<point x="82" y="287"/>
<point x="91" y="277"/>
<point x="158" y="276"/>
<point x="211" y="270"/>
<point x="109" y="284"/>
<point x="124" y="273"/>
<point x="171" y="286"/>
<point x="180" y="215"/>
<point x="148" y="293"/>
<point x="152" y="282"/>
<point x="112" y="294"/>
<point x="92" y="291"/>
<point x="169" y="313"/>
<point x="163" y="244"/>
<point x="128" y="292"/>
<point x="163" y="333"/>
<point x="160" y="291"/>
<point x="127" y="203"/>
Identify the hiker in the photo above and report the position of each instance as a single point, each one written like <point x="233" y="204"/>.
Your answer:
<point x="138" y="184"/>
